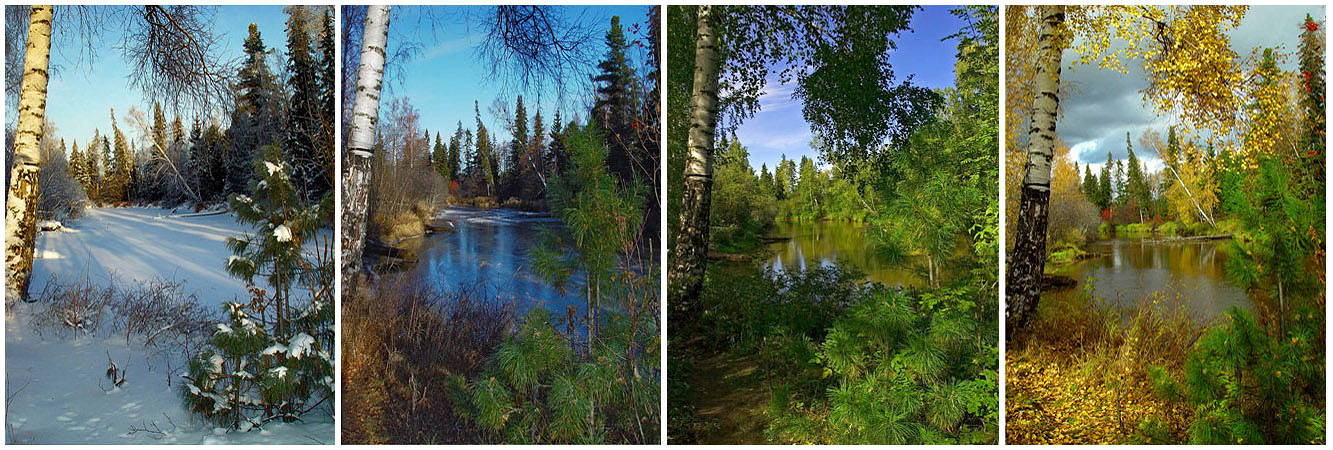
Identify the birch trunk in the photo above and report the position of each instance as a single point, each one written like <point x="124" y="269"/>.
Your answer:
<point x="361" y="143"/>
<point x="1028" y="259"/>
<point x="21" y="206"/>
<point x="689" y="257"/>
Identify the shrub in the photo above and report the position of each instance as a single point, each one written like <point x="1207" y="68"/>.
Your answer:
<point x="900" y="370"/>
<point x="1170" y="229"/>
<point x="404" y="341"/>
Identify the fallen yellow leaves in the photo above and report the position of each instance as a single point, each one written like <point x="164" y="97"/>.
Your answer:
<point x="1058" y="399"/>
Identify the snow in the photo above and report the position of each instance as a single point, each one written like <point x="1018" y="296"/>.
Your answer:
<point x="58" y="388"/>
<point x="49" y="225"/>
<point x="282" y="233"/>
<point x="300" y="345"/>
<point x="273" y="168"/>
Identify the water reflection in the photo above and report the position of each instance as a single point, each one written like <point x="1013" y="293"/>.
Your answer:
<point x="815" y="244"/>
<point x="493" y="246"/>
<point x="1190" y="274"/>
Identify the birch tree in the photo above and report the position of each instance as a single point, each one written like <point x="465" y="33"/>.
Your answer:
<point x="361" y="141"/>
<point x="689" y="256"/>
<point x="836" y="55"/>
<point x="172" y="56"/>
<point x="1028" y="259"/>
<point x="20" y="206"/>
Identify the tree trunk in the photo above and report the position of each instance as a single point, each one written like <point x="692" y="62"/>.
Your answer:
<point x="21" y="206"/>
<point x="361" y="143"/>
<point x="690" y="256"/>
<point x="1186" y="187"/>
<point x="1028" y="259"/>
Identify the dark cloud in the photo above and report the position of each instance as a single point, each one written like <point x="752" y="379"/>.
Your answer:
<point x="1101" y="105"/>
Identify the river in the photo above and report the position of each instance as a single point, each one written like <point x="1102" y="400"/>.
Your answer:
<point x="1188" y="274"/>
<point x="493" y="246"/>
<point x="824" y="243"/>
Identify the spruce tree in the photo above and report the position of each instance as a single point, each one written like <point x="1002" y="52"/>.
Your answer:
<point x="77" y="167"/>
<point x="615" y="106"/>
<point x="310" y="162"/>
<point x="484" y="162"/>
<point x="439" y="158"/>
<point x="252" y="126"/>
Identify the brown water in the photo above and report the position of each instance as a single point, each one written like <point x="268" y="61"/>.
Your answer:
<point x="814" y="244"/>
<point x="1188" y="274"/>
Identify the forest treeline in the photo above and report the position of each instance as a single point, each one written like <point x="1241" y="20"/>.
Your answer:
<point x="283" y="104"/>
<point x="1244" y="162"/>
<point x="417" y="172"/>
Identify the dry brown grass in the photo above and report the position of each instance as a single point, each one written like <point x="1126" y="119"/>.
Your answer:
<point x="404" y="342"/>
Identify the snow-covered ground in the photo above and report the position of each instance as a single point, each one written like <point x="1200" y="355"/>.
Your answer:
<point x="53" y="394"/>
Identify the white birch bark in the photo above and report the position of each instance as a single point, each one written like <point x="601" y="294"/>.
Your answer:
<point x="361" y="142"/>
<point x="689" y="258"/>
<point x="21" y="205"/>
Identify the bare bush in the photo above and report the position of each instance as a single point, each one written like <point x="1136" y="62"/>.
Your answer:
<point x="164" y="319"/>
<point x="74" y="307"/>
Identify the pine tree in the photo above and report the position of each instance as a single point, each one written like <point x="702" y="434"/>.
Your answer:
<point x="283" y="357"/>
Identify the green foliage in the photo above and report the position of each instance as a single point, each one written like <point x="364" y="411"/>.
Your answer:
<point x="541" y="386"/>
<point x="747" y="310"/>
<point x="742" y="208"/>
<point x="248" y="378"/>
<point x="897" y="370"/>
<point x="280" y="366"/>
<point x="1248" y="387"/>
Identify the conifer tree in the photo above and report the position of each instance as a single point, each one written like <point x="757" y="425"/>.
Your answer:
<point x="252" y="124"/>
<point x="484" y="163"/>
<point x="439" y="157"/>
<point x="280" y="364"/>
<point x="78" y="169"/>
<point x="615" y="106"/>
<point x="310" y="162"/>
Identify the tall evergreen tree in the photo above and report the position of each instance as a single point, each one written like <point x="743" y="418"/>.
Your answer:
<point x="452" y="159"/>
<point x="1136" y="183"/>
<point x="310" y="162"/>
<point x="485" y="180"/>
<point x="77" y="167"/>
<point x="614" y="109"/>
<point x="1105" y="184"/>
<point x="252" y="123"/>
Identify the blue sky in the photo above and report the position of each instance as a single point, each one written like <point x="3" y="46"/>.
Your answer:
<point x="80" y="99"/>
<point x="447" y="76"/>
<point x="778" y="128"/>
